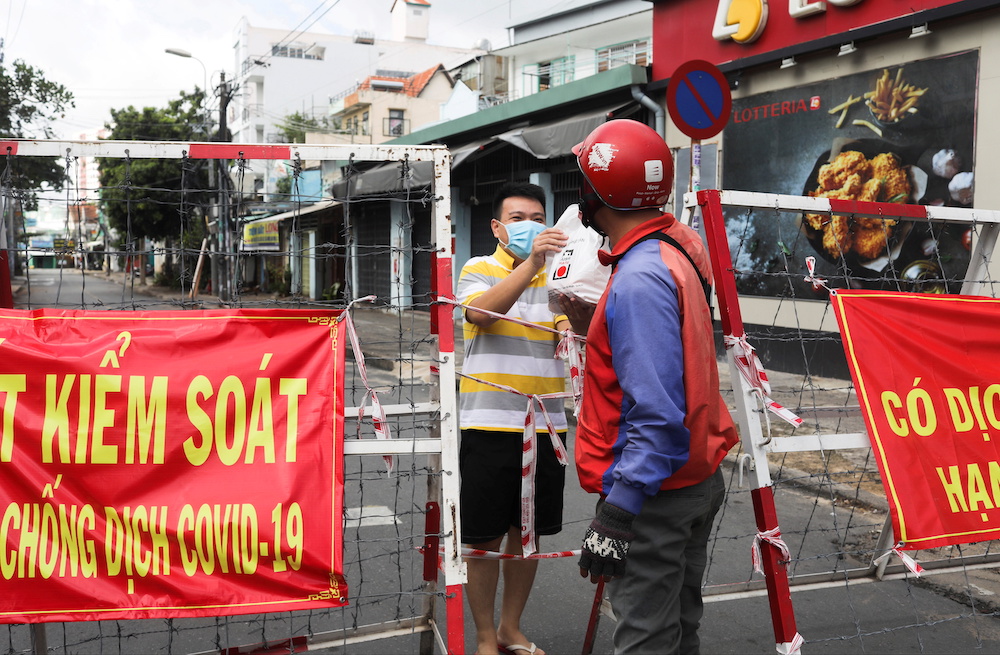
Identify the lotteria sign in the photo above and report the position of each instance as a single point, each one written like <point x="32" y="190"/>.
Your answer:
<point x="744" y="21"/>
<point x="720" y="31"/>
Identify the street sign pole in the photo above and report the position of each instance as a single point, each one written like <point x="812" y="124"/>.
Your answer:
<point x="699" y="103"/>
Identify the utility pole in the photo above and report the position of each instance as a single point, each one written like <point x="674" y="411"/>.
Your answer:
<point x="225" y="237"/>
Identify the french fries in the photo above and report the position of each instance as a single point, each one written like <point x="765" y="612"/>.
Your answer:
<point x="843" y="107"/>
<point x="845" y="104"/>
<point x="874" y="128"/>
<point x="892" y="98"/>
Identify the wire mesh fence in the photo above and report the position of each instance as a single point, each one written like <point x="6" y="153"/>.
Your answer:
<point x="180" y="227"/>
<point x="813" y="483"/>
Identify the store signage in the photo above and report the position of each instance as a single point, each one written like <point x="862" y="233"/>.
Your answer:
<point x="744" y="21"/>
<point x="728" y="30"/>
<point x="262" y="235"/>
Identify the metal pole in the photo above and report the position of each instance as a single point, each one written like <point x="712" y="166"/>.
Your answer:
<point x="39" y="640"/>
<point x="225" y="218"/>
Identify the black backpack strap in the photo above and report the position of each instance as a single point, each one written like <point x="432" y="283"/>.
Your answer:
<point x="660" y="236"/>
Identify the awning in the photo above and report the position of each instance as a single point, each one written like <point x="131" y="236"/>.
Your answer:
<point x="386" y="178"/>
<point x="464" y="152"/>
<point x="307" y="209"/>
<point x="557" y="138"/>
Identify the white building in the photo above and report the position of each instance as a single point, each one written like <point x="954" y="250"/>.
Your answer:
<point x="561" y="47"/>
<point x="552" y="50"/>
<point x="279" y="72"/>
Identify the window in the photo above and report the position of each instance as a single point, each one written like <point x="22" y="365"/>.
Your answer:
<point x="555" y="73"/>
<point x="364" y="124"/>
<point x="396" y="123"/>
<point x="633" y="52"/>
<point x="297" y="51"/>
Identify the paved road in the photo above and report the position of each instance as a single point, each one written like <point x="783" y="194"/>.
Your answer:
<point x="73" y="289"/>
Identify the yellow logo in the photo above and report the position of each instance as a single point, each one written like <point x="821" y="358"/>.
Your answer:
<point x="742" y="21"/>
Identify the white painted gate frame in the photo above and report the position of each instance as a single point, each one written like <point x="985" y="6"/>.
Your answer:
<point x="444" y="448"/>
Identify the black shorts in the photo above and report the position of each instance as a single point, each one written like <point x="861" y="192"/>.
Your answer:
<point x="490" y="464"/>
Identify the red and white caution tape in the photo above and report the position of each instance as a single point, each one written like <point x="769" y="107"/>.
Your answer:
<point x="379" y="421"/>
<point x="772" y="537"/>
<point x="503" y="317"/>
<point x="476" y="553"/>
<point x="529" y="452"/>
<point x="753" y="372"/>
<point x="793" y="647"/>
<point x="569" y="348"/>
<point x="817" y="282"/>
<point x="910" y="563"/>
<point x="529" y="455"/>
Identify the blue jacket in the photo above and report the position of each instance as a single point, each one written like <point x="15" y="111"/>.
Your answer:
<point x="652" y="416"/>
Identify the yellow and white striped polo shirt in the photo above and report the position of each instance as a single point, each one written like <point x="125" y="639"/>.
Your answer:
<point x="506" y="353"/>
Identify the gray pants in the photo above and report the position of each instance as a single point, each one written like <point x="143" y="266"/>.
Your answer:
<point x="658" y="601"/>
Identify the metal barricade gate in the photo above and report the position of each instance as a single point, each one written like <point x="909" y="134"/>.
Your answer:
<point x="431" y="420"/>
<point x="759" y="441"/>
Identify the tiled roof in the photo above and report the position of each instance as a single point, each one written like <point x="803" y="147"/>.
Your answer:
<point x="415" y="85"/>
<point x="412" y="86"/>
<point x="422" y="3"/>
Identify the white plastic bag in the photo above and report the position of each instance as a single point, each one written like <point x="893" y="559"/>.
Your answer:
<point x="575" y="271"/>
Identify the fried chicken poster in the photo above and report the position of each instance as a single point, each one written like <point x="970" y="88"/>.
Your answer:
<point x="932" y="408"/>
<point x="896" y="134"/>
<point x="169" y="464"/>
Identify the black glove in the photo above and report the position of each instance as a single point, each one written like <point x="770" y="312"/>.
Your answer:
<point x="605" y="546"/>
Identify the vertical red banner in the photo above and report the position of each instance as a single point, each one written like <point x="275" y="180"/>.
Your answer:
<point x="925" y="371"/>
<point x="170" y="464"/>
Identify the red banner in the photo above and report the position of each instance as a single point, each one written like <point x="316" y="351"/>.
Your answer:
<point x="925" y="370"/>
<point x="170" y="464"/>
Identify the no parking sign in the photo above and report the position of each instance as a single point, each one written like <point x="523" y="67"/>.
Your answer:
<point x="698" y="99"/>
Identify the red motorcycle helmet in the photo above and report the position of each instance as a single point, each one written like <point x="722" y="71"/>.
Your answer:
<point x="628" y="165"/>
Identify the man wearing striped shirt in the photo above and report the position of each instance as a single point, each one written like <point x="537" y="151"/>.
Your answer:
<point x="511" y="281"/>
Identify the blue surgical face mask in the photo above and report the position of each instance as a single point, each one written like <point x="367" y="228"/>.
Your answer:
<point x="521" y="234"/>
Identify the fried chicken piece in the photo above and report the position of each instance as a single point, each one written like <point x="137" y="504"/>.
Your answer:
<point x="853" y="177"/>
<point x="835" y="174"/>
<point x="870" y="191"/>
<point x="884" y="163"/>
<point x="852" y="187"/>
<point x="817" y="221"/>
<point x="871" y="243"/>
<point x="887" y="168"/>
<point x="896" y="186"/>
<point x="870" y="223"/>
<point x="837" y="238"/>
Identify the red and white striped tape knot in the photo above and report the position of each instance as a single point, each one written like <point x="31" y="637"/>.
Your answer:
<point x="773" y="537"/>
<point x="753" y="372"/>
<point x="817" y="282"/>
<point x="910" y="563"/>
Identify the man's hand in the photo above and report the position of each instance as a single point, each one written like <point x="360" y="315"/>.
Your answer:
<point x="548" y="240"/>
<point x="606" y="543"/>
<point x="579" y="312"/>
